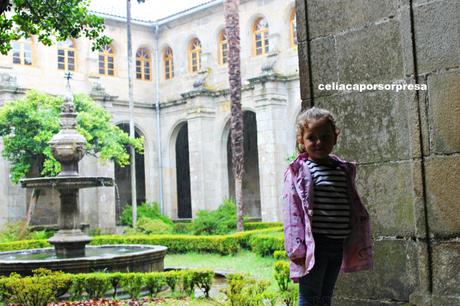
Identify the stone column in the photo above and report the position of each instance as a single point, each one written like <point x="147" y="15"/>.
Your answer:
<point x="4" y="182"/>
<point x="270" y="98"/>
<point x="13" y="198"/>
<point x="200" y="118"/>
<point x="97" y="205"/>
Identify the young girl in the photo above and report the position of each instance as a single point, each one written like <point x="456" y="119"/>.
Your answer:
<point x="326" y="227"/>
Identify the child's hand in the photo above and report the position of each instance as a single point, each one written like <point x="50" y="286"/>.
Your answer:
<point x="299" y="261"/>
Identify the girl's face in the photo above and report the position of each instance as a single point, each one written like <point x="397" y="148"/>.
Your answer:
<point x="319" y="140"/>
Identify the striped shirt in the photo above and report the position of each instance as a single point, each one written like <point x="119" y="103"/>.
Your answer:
<point x="331" y="208"/>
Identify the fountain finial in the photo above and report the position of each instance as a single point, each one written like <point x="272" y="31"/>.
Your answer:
<point x="68" y="146"/>
<point x="68" y="106"/>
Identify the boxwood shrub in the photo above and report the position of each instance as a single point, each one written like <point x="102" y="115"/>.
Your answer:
<point x="261" y="225"/>
<point x="46" y="286"/>
<point x="221" y="244"/>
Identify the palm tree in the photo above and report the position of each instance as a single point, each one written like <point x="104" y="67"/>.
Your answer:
<point x="232" y="29"/>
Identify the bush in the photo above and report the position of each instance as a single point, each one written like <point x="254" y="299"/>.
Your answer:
<point x="94" y="284"/>
<point x="245" y="291"/>
<point x="19" y="231"/>
<point x="216" y="222"/>
<point x="44" y="286"/>
<point x="154" y="282"/>
<point x="244" y="238"/>
<point x="183" y="228"/>
<point x="115" y="282"/>
<point x="266" y="244"/>
<point x="203" y="280"/>
<point x="23" y="245"/>
<point x="171" y="279"/>
<point x="150" y="226"/>
<point x="280" y="255"/>
<point x="248" y="226"/>
<point x="149" y="210"/>
<point x="133" y="283"/>
<point x="224" y="245"/>
<point x="289" y="292"/>
<point x="291" y="295"/>
<point x="281" y="274"/>
<point x="38" y="290"/>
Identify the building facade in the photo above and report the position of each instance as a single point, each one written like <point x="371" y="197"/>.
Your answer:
<point x="182" y="109"/>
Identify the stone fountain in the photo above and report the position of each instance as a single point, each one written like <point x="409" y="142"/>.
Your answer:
<point x="70" y="252"/>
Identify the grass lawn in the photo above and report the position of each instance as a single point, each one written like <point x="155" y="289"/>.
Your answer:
<point x="243" y="262"/>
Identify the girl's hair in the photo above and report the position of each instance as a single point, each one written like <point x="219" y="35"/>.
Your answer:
<point x="308" y="117"/>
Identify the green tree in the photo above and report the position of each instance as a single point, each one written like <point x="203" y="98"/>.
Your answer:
<point x="27" y="125"/>
<point x="48" y="19"/>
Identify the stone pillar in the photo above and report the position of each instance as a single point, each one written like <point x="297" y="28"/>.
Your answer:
<point x="13" y="197"/>
<point x="97" y="205"/>
<point x="13" y="200"/>
<point x="406" y="142"/>
<point x="200" y="120"/>
<point x="270" y="98"/>
<point x="4" y="182"/>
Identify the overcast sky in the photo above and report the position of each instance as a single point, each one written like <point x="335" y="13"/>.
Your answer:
<point x="150" y="10"/>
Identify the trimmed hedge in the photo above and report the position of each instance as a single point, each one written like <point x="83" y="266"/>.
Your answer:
<point x="267" y="244"/>
<point x="261" y="225"/>
<point x="222" y="244"/>
<point x="280" y="255"/>
<point x="262" y="241"/>
<point x="23" y="245"/>
<point x="244" y="238"/>
<point x="177" y="243"/>
<point x="46" y="286"/>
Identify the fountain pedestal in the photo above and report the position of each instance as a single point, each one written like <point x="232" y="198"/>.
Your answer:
<point x="69" y="241"/>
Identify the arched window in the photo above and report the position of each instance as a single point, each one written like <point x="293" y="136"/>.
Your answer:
<point x="106" y="61"/>
<point x="168" y="63"/>
<point x="23" y="52"/>
<point x="143" y="65"/>
<point x="293" y="28"/>
<point x="195" y="55"/>
<point x="66" y="55"/>
<point x="260" y="37"/>
<point x="223" y="47"/>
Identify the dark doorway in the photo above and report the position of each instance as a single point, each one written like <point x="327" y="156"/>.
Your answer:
<point x="123" y="180"/>
<point x="184" y="201"/>
<point x="251" y="186"/>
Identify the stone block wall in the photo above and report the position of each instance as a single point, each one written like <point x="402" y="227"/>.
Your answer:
<point x="406" y="143"/>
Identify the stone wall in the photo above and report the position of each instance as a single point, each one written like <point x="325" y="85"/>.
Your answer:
<point x="407" y="143"/>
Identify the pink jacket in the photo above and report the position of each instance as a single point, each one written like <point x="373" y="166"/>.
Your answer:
<point x="298" y="238"/>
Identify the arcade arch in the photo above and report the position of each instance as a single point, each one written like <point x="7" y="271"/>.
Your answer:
<point x="251" y="182"/>
<point x="123" y="179"/>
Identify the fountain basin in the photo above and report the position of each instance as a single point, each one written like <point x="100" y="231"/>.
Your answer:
<point x="112" y="258"/>
<point x="67" y="182"/>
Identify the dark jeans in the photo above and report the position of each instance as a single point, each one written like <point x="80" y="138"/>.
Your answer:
<point x="316" y="287"/>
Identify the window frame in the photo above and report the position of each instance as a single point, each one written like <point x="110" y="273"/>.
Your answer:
<point x="223" y="48"/>
<point x="143" y="60"/>
<point x="264" y="40"/>
<point x="106" y="54"/>
<point x="20" y="45"/>
<point x="293" y="29"/>
<point x="66" y="51"/>
<point x="194" y="51"/>
<point x="170" y="59"/>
